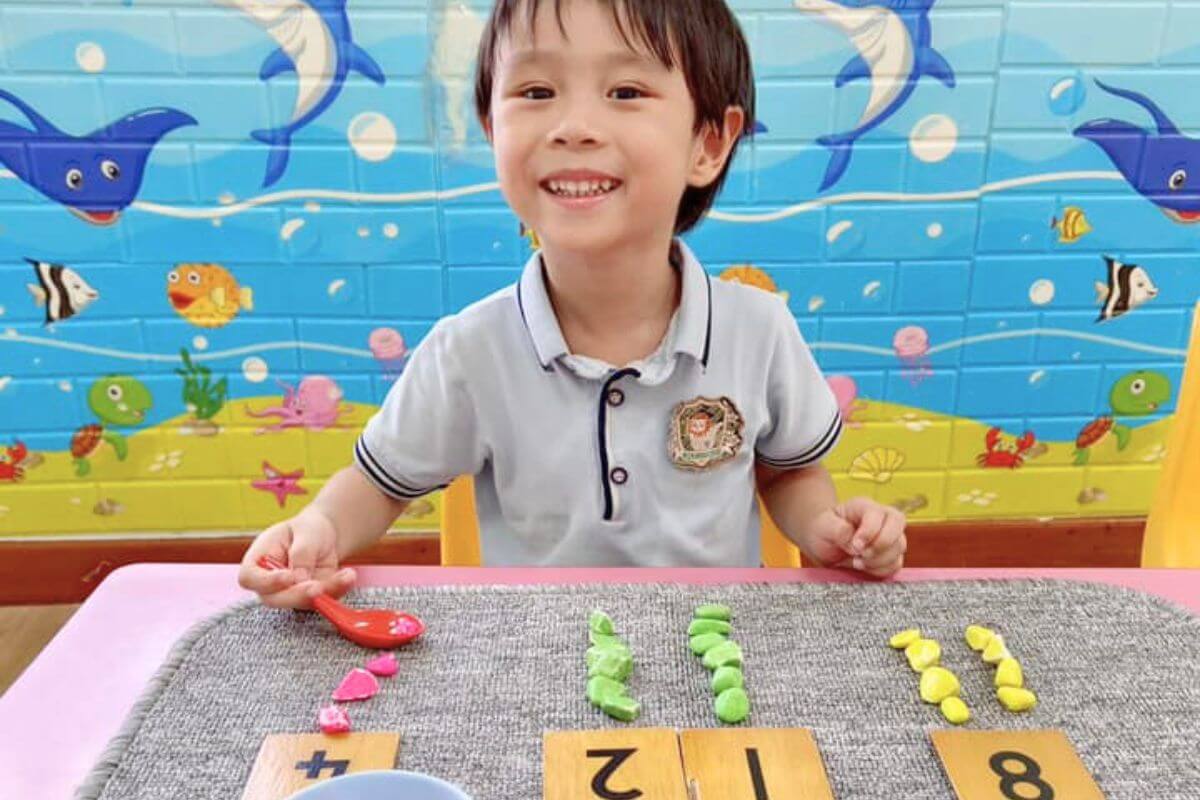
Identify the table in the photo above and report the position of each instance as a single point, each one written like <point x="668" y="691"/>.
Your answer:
<point x="60" y="714"/>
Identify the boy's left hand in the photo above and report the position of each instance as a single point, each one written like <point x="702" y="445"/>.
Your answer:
<point x="860" y="534"/>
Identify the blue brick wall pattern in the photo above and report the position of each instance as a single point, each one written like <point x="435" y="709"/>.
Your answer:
<point x="388" y="212"/>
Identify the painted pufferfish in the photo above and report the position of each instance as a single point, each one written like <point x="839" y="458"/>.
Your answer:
<point x="206" y="294"/>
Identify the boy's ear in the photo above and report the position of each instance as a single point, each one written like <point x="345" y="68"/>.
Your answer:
<point x="713" y="146"/>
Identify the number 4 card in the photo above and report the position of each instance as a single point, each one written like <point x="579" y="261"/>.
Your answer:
<point x="1014" y="765"/>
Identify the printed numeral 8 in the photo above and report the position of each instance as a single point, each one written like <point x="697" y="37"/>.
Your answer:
<point x="1010" y="780"/>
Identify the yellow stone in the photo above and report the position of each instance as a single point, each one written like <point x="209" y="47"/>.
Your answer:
<point x="955" y="710"/>
<point x="904" y="638"/>
<point x="996" y="651"/>
<point x="923" y="654"/>
<point x="1015" y="699"/>
<point x="1008" y="673"/>
<point x="938" y="683"/>
<point x="978" y="637"/>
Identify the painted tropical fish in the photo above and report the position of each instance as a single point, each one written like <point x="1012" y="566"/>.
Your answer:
<point x="96" y="176"/>
<point x="1073" y="226"/>
<point x="1128" y="287"/>
<point x="894" y="42"/>
<point x="1163" y="165"/>
<point x="62" y="290"/>
<point x="315" y="42"/>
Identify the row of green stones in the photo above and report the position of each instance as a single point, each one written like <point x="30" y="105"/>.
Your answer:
<point x="708" y="636"/>
<point x="609" y="665"/>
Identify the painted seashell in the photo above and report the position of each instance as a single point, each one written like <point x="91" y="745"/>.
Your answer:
<point x="876" y="465"/>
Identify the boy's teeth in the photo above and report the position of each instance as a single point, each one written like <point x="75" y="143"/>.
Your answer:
<point x="581" y="188"/>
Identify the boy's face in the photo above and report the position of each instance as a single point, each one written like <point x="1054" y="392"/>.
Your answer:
<point x="587" y="107"/>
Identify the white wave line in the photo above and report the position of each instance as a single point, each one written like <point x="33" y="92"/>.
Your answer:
<point x="203" y="356"/>
<point x="215" y="212"/>
<point x="930" y="197"/>
<point x="849" y="347"/>
<point x="1060" y="333"/>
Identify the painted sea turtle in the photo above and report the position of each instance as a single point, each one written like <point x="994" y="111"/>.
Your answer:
<point x="119" y="401"/>
<point x="1134" y="395"/>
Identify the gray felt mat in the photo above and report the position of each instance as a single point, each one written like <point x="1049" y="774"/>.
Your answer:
<point x="1118" y="670"/>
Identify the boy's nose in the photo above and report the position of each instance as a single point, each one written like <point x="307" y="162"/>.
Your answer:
<point x="574" y="129"/>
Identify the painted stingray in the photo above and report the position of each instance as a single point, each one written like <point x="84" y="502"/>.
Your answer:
<point x="1162" y="164"/>
<point x="96" y="176"/>
<point x="316" y="44"/>
<point x="894" y="40"/>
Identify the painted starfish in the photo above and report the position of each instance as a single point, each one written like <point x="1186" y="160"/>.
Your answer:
<point x="280" y="484"/>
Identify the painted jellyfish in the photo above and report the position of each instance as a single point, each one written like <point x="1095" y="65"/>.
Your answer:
<point x="845" y="391"/>
<point x="911" y="344"/>
<point x="387" y="345"/>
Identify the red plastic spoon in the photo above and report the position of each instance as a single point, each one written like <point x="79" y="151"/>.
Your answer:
<point x="369" y="627"/>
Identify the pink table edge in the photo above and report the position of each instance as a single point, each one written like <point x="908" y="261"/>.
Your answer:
<point x="59" y="715"/>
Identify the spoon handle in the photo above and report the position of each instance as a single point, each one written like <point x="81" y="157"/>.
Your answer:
<point x="325" y="605"/>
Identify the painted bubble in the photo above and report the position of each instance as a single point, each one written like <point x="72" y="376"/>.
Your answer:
<point x="255" y="370"/>
<point x="90" y="57"/>
<point x="372" y="136"/>
<point x="1066" y="95"/>
<point x="1041" y="292"/>
<point x="933" y="138"/>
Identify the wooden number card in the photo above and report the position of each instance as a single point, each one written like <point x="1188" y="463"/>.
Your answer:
<point x="612" y="765"/>
<point x="288" y="762"/>
<point x="754" y="764"/>
<point x="1014" y="765"/>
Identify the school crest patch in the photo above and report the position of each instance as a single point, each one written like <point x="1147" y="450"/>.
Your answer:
<point x="704" y="432"/>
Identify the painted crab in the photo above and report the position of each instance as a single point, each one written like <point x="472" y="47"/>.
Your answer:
<point x="1000" y="456"/>
<point x="118" y="401"/>
<point x="10" y="462"/>
<point x="1136" y="394"/>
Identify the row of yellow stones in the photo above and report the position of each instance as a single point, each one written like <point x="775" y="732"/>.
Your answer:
<point x="941" y="687"/>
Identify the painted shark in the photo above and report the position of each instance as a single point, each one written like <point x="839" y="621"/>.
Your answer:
<point x="96" y="176"/>
<point x="315" y="42"/>
<point x="1163" y="165"/>
<point x="894" y="43"/>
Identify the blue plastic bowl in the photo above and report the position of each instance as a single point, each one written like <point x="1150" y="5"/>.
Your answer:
<point x="388" y="784"/>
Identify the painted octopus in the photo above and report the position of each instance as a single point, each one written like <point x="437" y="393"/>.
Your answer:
<point x="314" y="405"/>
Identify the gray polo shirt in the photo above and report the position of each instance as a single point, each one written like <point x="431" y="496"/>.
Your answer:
<point x="577" y="462"/>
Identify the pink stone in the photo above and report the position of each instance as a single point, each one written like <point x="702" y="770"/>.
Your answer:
<point x="357" y="685"/>
<point x="384" y="666"/>
<point x="333" y="719"/>
<point x="406" y="625"/>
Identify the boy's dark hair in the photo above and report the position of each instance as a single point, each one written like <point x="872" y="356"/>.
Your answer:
<point x="705" y="36"/>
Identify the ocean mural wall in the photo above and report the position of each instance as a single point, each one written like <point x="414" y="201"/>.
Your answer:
<point x="225" y="223"/>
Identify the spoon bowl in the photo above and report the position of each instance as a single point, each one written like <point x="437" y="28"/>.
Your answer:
<point x="376" y="628"/>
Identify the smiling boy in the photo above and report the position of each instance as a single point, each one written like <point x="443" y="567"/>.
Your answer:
<point x="616" y="405"/>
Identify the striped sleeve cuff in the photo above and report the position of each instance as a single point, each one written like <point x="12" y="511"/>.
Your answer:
<point x="813" y="454"/>
<point x="388" y="484"/>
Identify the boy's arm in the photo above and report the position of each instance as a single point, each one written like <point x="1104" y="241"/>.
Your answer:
<point x="359" y="512"/>
<point x="859" y="533"/>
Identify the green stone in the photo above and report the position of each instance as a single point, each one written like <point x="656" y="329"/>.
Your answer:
<point x="601" y="690"/>
<point x="595" y="637"/>
<point x="595" y="652"/>
<point x="726" y="654"/>
<point x="700" y="626"/>
<point x="622" y="707"/>
<point x="727" y="678"/>
<point x="599" y="622"/>
<point x="613" y="664"/>
<point x="732" y="705"/>
<point x="704" y="642"/>
<point x="713" y="611"/>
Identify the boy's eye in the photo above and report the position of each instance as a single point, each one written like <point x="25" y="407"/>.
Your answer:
<point x="633" y="89"/>
<point x="525" y="92"/>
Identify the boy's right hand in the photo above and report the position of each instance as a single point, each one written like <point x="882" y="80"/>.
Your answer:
<point x="307" y="544"/>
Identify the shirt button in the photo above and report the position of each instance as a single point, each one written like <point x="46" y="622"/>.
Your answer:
<point x="619" y="475"/>
<point x="615" y="397"/>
